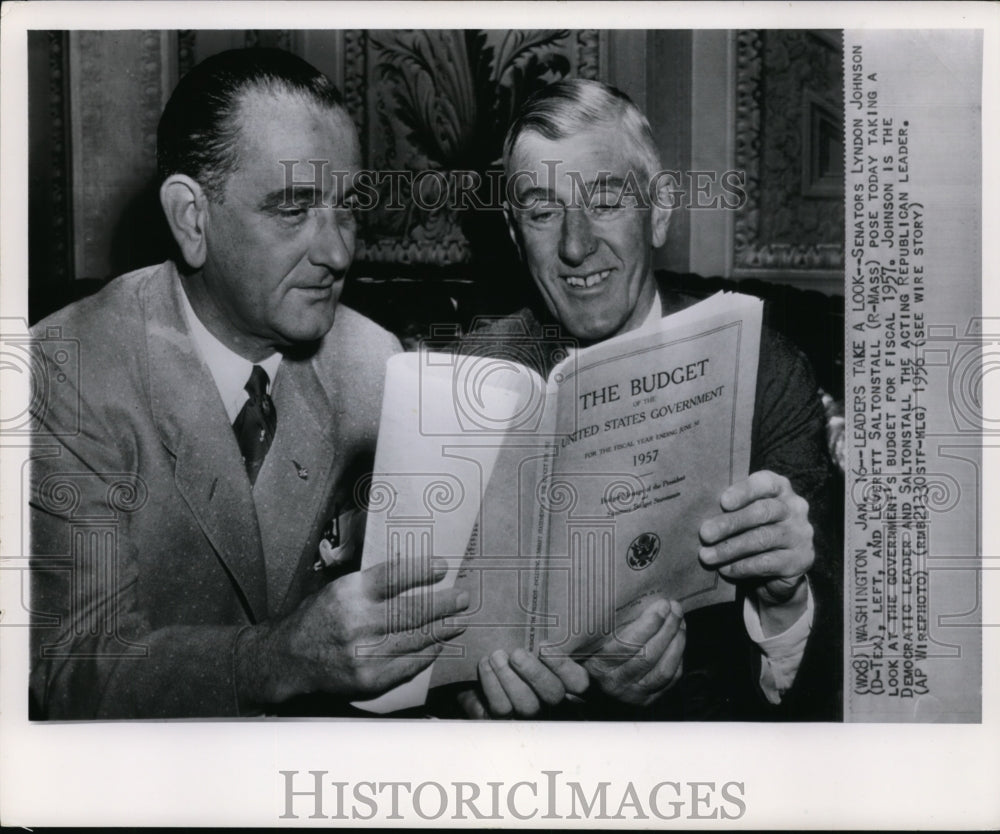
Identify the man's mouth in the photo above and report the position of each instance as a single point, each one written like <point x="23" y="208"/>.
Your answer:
<point x="591" y="279"/>
<point x="322" y="286"/>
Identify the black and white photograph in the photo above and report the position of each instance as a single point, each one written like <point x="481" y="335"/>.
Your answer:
<point x="485" y="422"/>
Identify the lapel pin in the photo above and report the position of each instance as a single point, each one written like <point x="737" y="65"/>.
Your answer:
<point x="301" y="471"/>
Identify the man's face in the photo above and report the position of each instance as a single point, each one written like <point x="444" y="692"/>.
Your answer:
<point x="277" y="254"/>
<point x="592" y="265"/>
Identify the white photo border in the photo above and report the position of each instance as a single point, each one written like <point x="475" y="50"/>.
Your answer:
<point x="228" y="772"/>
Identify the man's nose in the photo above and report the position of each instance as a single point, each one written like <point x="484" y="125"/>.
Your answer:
<point x="576" y="241"/>
<point x="332" y="244"/>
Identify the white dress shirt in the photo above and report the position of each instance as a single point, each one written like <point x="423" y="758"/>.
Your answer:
<point x="229" y="370"/>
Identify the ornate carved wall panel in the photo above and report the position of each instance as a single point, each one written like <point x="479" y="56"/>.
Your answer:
<point x="789" y="96"/>
<point x="440" y="101"/>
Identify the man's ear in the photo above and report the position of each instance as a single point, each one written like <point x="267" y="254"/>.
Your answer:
<point x="662" y="211"/>
<point x="186" y="207"/>
<point x="508" y="215"/>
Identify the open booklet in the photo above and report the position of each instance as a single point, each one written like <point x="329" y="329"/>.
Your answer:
<point x="561" y="504"/>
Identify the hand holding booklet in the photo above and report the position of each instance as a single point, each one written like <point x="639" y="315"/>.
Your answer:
<point x="562" y="504"/>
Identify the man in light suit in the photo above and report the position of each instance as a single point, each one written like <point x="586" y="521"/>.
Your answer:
<point x="209" y="452"/>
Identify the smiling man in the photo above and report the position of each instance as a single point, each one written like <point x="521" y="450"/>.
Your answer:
<point x="185" y="484"/>
<point x="585" y="214"/>
<point x="592" y="263"/>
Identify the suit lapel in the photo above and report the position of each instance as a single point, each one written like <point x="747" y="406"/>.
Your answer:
<point x="194" y="427"/>
<point x="293" y="482"/>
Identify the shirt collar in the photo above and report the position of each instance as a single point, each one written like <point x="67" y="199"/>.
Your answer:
<point x="229" y="370"/>
<point x="654" y="315"/>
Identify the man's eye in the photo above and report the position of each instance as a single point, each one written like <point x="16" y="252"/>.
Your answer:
<point x="544" y="214"/>
<point x="610" y="203"/>
<point x="292" y="214"/>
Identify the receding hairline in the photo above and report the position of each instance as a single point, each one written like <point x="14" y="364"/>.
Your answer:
<point x="206" y="115"/>
<point x="257" y="94"/>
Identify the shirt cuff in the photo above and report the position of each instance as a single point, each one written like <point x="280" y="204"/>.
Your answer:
<point x="781" y="653"/>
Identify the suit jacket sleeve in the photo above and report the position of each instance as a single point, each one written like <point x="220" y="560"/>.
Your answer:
<point x="134" y="615"/>
<point x="721" y="663"/>
<point x="789" y="437"/>
<point x="97" y="652"/>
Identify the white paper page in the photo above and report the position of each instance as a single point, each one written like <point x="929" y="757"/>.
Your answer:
<point x="424" y="501"/>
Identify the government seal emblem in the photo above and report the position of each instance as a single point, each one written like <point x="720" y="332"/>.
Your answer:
<point x="643" y="551"/>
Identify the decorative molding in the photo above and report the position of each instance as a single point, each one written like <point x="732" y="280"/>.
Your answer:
<point x="823" y="148"/>
<point x="769" y="148"/>
<point x="185" y="51"/>
<point x="355" y="82"/>
<point x="88" y="117"/>
<point x="827" y="281"/>
<point x="114" y="119"/>
<point x="151" y="100"/>
<point x="61" y="237"/>
<point x="406" y="252"/>
<point x="275" y="38"/>
<point x="588" y="53"/>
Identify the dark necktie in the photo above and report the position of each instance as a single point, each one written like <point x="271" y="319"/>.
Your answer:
<point x="256" y="422"/>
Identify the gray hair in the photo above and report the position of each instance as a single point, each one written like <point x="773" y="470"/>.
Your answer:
<point x="573" y="105"/>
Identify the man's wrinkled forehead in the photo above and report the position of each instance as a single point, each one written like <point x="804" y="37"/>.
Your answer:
<point x="594" y="157"/>
<point x="282" y="134"/>
<point x="260" y="105"/>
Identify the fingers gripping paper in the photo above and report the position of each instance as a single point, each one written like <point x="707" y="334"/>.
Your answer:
<point x="562" y="504"/>
<point x="425" y="494"/>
